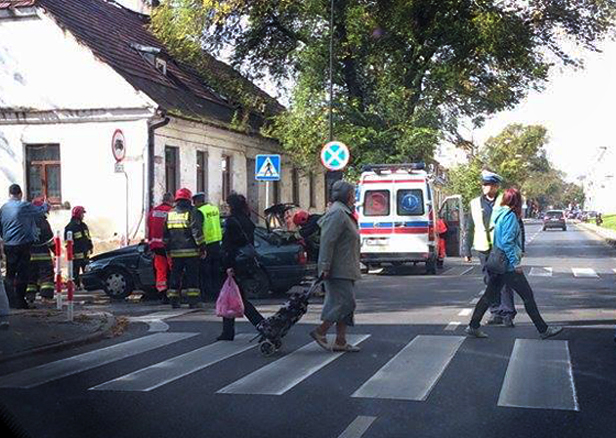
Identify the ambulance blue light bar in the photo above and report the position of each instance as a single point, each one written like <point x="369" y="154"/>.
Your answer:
<point x="379" y="168"/>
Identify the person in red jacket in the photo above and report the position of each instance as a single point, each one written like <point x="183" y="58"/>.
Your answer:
<point x="441" y="230"/>
<point x="156" y="226"/>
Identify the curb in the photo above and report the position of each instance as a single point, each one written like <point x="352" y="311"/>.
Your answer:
<point x="104" y="332"/>
<point x="607" y="235"/>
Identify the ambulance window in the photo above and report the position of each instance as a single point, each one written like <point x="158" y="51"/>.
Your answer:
<point x="376" y="203"/>
<point x="410" y="202"/>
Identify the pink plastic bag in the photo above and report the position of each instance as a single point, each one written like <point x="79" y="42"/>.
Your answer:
<point x="229" y="303"/>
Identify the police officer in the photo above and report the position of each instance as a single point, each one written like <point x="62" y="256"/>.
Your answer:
<point x="210" y="272"/>
<point x="82" y="242"/>
<point x="41" y="260"/>
<point x="479" y="234"/>
<point x="185" y="244"/>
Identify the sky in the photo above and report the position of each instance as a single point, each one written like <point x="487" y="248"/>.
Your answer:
<point x="577" y="108"/>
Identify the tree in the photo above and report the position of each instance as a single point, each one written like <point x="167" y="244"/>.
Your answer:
<point x="406" y="71"/>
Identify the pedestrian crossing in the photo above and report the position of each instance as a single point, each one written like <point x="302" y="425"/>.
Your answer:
<point x="535" y="271"/>
<point x="539" y="374"/>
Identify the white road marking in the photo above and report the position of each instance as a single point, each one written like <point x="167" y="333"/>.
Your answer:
<point x="540" y="272"/>
<point x="584" y="273"/>
<point x="157" y="375"/>
<point x="452" y="326"/>
<point x="280" y="376"/>
<point x="465" y="312"/>
<point x="467" y="271"/>
<point x="358" y="427"/>
<point x="539" y="376"/>
<point x="41" y="374"/>
<point x="414" y="371"/>
<point x="155" y="320"/>
<point x="474" y="300"/>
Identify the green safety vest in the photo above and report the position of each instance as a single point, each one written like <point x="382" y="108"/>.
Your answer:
<point x="211" y="223"/>
<point x="482" y="240"/>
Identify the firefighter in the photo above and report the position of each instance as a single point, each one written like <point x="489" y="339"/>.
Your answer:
<point x="183" y="238"/>
<point x="82" y="243"/>
<point x="41" y="274"/>
<point x="156" y="225"/>
<point x="210" y="273"/>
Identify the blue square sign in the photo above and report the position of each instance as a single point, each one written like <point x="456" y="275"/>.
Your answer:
<point x="267" y="168"/>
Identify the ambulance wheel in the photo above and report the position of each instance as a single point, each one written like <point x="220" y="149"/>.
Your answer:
<point x="431" y="267"/>
<point x="267" y="348"/>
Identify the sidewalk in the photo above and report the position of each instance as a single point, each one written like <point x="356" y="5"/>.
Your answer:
<point x="44" y="330"/>
<point x="607" y="234"/>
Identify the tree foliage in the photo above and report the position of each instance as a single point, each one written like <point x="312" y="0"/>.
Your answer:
<point x="518" y="154"/>
<point x="406" y="71"/>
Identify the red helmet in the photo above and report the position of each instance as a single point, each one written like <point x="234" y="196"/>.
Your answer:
<point x="78" y="211"/>
<point x="301" y="218"/>
<point x="183" y="193"/>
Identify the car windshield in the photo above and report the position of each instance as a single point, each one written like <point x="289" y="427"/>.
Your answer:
<point x="556" y="214"/>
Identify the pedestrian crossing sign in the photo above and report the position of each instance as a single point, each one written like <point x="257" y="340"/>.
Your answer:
<point x="267" y="168"/>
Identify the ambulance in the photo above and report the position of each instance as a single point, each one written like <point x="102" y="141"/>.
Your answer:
<point x="397" y="216"/>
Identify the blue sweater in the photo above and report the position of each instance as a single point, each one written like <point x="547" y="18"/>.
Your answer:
<point x="18" y="222"/>
<point x="507" y="236"/>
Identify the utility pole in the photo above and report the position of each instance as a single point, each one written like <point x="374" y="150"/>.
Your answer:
<point x="331" y="177"/>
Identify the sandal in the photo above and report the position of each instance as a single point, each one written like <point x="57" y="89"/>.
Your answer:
<point x="321" y="340"/>
<point x="346" y="348"/>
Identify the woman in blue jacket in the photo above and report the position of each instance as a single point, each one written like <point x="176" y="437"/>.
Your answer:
<point x="507" y="237"/>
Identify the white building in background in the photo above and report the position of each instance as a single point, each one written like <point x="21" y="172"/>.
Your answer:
<point x="73" y="72"/>
<point x="600" y="182"/>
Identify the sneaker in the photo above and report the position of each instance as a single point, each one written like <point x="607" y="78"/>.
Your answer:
<point x="474" y="333"/>
<point x="551" y="331"/>
<point x="4" y="325"/>
<point x="508" y="322"/>
<point x="495" y="320"/>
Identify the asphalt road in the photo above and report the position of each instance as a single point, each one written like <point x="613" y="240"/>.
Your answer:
<point x="416" y="376"/>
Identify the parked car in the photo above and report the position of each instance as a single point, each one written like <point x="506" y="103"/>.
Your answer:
<point x="554" y="219"/>
<point x="283" y="264"/>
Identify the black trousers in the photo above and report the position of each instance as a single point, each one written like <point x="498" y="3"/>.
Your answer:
<point x="79" y="267"/>
<point x="17" y="273"/>
<point x="518" y="282"/>
<point x="250" y="312"/>
<point x="211" y="272"/>
<point x="41" y="278"/>
<point x="184" y="274"/>
<point x="503" y="304"/>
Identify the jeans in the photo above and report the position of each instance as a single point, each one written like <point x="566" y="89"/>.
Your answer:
<point x="17" y="274"/>
<point x="503" y="304"/>
<point x="518" y="282"/>
<point x="4" y="302"/>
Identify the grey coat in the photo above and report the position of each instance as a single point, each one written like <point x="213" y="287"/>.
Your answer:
<point x="339" y="243"/>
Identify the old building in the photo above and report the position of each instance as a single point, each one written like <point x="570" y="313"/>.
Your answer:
<point x="74" y="72"/>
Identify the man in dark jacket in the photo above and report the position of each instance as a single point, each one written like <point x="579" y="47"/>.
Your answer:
<point x="82" y="242"/>
<point x="185" y="243"/>
<point x="18" y="231"/>
<point x="41" y="260"/>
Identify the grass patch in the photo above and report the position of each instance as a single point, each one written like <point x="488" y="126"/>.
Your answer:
<point x="609" y="221"/>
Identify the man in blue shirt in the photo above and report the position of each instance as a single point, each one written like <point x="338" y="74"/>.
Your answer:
<point x="18" y="231"/>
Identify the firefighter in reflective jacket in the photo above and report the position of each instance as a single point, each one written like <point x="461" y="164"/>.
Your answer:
<point x="82" y="243"/>
<point x="41" y="261"/>
<point x="183" y="237"/>
<point x="156" y="225"/>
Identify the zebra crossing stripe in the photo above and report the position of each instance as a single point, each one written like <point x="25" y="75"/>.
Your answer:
<point x="280" y="376"/>
<point x="539" y="376"/>
<point x="162" y="373"/>
<point x="540" y="272"/>
<point x="414" y="371"/>
<point x="584" y="272"/>
<point x="41" y="374"/>
<point x="358" y="427"/>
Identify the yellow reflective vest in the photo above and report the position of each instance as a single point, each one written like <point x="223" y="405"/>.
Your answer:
<point x="482" y="239"/>
<point x="211" y="223"/>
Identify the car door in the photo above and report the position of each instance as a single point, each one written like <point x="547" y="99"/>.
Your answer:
<point x="452" y="212"/>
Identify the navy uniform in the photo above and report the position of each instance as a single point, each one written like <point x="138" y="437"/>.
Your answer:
<point x="40" y="279"/>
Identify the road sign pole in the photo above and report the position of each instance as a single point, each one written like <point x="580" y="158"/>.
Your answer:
<point x="267" y="194"/>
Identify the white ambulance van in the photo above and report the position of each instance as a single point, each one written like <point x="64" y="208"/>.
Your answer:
<point x="396" y="216"/>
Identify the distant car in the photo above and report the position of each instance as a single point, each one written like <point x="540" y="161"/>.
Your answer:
<point x="283" y="264"/>
<point x="554" y="219"/>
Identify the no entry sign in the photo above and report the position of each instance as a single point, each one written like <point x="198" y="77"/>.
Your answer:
<point x="335" y="156"/>
<point x="118" y="145"/>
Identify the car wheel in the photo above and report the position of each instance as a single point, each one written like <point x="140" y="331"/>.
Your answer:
<point x="257" y="286"/>
<point x="117" y="284"/>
